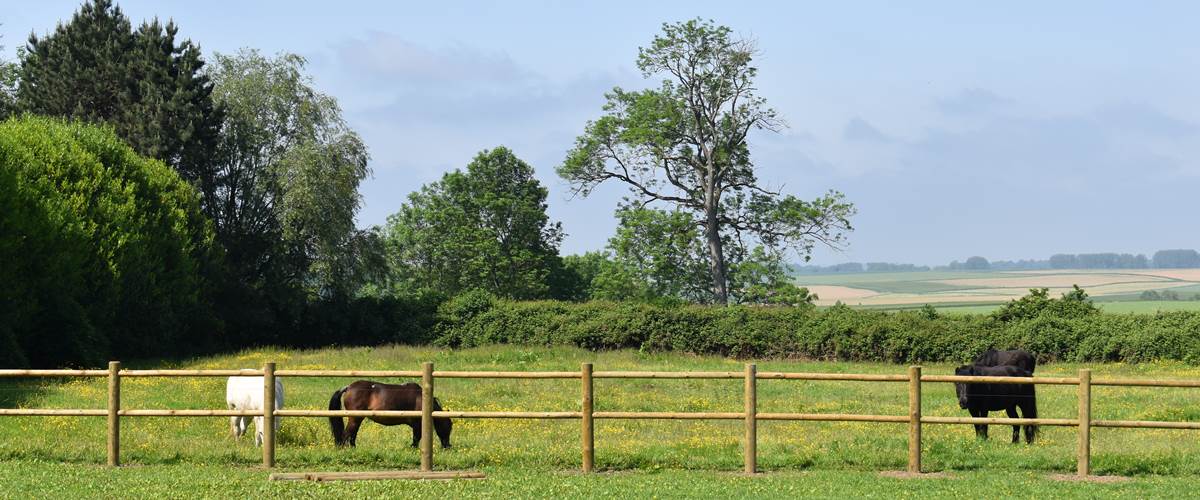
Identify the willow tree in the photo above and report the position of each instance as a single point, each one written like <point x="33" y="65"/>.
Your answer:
<point x="685" y="144"/>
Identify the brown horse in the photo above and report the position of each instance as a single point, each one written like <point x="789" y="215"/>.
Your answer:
<point x="367" y="395"/>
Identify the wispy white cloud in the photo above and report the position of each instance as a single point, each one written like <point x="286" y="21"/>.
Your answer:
<point x="386" y="59"/>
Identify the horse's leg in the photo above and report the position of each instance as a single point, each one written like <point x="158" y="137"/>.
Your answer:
<point x="1012" y="413"/>
<point x="416" y="432"/>
<point x="980" y="429"/>
<point x="258" y="431"/>
<point x="1029" y="409"/>
<point x="351" y="435"/>
<point x="233" y="425"/>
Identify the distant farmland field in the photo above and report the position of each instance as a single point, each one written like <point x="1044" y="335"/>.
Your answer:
<point x="980" y="291"/>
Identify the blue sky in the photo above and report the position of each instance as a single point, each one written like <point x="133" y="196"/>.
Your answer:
<point x="1004" y="129"/>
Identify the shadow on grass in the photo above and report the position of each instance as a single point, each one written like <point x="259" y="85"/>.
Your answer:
<point x="25" y="392"/>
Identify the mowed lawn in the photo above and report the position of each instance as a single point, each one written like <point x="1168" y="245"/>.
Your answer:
<point x="44" y="455"/>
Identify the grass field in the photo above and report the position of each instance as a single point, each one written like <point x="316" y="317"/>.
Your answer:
<point x="47" y="456"/>
<point x="980" y="291"/>
<point x="1118" y="307"/>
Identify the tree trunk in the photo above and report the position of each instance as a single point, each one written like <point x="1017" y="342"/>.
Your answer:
<point x="716" y="258"/>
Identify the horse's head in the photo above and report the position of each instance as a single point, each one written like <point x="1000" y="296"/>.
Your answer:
<point x="443" y="426"/>
<point x="961" y="388"/>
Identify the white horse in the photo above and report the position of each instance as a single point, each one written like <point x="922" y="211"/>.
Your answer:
<point x="246" y="393"/>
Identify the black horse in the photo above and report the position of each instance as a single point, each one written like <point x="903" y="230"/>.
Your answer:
<point x="1018" y="358"/>
<point x="367" y="395"/>
<point x="980" y="398"/>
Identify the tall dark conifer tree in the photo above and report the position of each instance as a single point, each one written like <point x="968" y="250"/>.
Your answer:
<point x="144" y="83"/>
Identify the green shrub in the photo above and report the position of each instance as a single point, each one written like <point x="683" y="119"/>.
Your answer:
<point x="104" y="253"/>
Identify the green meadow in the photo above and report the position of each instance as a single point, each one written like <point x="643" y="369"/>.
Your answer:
<point x="44" y="456"/>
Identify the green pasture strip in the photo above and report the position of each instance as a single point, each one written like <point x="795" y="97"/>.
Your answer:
<point x="1149" y="306"/>
<point x="942" y="307"/>
<point x="968" y="308"/>
<point x="33" y="479"/>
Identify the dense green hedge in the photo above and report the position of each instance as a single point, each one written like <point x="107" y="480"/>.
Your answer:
<point x="102" y="252"/>
<point x="837" y="333"/>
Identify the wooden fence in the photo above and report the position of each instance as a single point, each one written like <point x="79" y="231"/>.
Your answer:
<point x="587" y="415"/>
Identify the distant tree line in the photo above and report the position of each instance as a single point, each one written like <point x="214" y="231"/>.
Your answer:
<point x="1099" y="261"/>
<point x="1162" y="259"/>
<point x="1170" y="295"/>
<point x="1168" y="259"/>
<point x="1019" y="265"/>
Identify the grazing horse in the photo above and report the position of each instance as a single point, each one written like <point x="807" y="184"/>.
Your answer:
<point x="1018" y="358"/>
<point x="246" y="393"/>
<point x="367" y="395"/>
<point x="980" y="398"/>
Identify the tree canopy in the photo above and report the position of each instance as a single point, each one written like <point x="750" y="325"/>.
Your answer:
<point x="146" y="84"/>
<point x="285" y="191"/>
<point x="685" y="144"/>
<point x="485" y="228"/>
<point x="9" y="75"/>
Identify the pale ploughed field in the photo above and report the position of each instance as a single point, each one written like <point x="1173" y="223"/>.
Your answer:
<point x="967" y="288"/>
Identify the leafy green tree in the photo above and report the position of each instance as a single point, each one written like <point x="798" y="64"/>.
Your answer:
<point x="659" y="256"/>
<point x="144" y="83"/>
<point x="9" y="76"/>
<point x="596" y="276"/>
<point x="684" y="144"/>
<point x="762" y="278"/>
<point x="665" y="251"/>
<point x="572" y="279"/>
<point x="485" y="228"/>
<point x="286" y="191"/>
<point x="105" y="253"/>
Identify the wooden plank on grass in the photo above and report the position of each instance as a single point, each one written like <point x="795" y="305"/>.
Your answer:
<point x="373" y="475"/>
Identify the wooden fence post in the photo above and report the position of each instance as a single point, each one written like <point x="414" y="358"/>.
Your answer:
<point x="751" y="418"/>
<point x="114" y="416"/>
<point x="427" y="416"/>
<point x="914" y="419"/>
<point x="588" y="434"/>
<point x="268" y="418"/>
<point x="1085" y="422"/>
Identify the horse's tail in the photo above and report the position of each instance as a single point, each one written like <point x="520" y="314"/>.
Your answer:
<point x="336" y="426"/>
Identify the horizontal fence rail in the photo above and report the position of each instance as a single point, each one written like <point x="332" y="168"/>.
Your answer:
<point x="750" y="416"/>
<point x="53" y="373"/>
